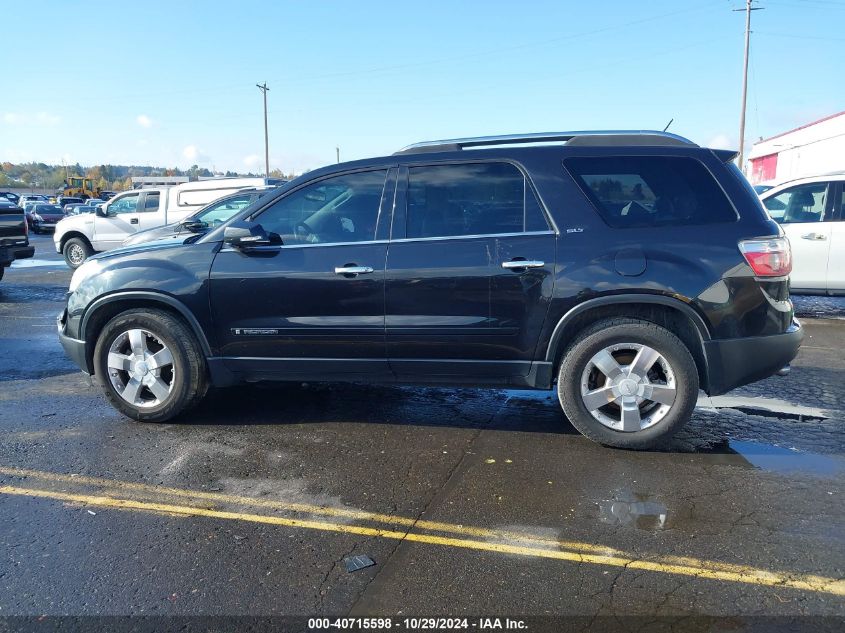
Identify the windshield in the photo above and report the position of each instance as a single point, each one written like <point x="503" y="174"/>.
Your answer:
<point x="47" y="208"/>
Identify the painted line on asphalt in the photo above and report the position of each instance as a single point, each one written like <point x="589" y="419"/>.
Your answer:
<point x="38" y="263"/>
<point x="709" y="570"/>
<point x="302" y="508"/>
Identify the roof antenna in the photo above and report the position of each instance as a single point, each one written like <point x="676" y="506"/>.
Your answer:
<point x="668" y="124"/>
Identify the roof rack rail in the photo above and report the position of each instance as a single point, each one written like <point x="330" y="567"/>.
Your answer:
<point x="595" y="137"/>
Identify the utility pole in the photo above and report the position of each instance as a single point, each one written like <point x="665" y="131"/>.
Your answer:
<point x="748" y="9"/>
<point x="337" y="150"/>
<point x="264" y="89"/>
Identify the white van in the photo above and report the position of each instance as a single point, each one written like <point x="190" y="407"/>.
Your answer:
<point x="79" y="236"/>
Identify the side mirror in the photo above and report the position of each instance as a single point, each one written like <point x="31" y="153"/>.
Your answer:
<point x="101" y="212"/>
<point x="243" y="236"/>
<point x="194" y="226"/>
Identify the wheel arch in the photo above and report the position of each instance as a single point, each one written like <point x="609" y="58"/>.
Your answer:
<point x="670" y="313"/>
<point x="107" y="307"/>
<point x="70" y="235"/>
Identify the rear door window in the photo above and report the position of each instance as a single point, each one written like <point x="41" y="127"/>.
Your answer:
<point x="470" y="199"/>
<point x="644" y="191"/>
<point x="151" y="202"/>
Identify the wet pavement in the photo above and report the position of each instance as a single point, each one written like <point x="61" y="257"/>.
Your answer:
<point x="470" y="502"/>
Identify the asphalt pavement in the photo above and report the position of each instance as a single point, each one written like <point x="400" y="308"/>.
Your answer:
<point x="470" y="502"/>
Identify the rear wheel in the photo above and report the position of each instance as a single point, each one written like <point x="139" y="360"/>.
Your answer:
<point x="150" y="365"/>
<point x="76" y="251"/>
<point x="628" y="383"/>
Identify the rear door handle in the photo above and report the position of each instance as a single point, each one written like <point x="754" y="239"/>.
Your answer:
<point x="814" y="236"/>
<point x="523" y="263"/>
<point x="133" y="221"/>
<point x="353" y="270"/>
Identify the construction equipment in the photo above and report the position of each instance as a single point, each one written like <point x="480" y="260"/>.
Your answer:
<point x="79" y="187"/>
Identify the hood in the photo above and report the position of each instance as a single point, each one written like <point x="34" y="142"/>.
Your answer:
<point x="146" y="246"/>
<point x="158" y="233"/>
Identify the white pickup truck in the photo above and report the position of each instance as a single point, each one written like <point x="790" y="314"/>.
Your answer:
<point x="78" y="237"/>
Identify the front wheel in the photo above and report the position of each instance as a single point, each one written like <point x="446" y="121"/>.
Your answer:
<point x="76" y="251"/>
<point x="150" y="365"/>
<point x="628" y="383"/>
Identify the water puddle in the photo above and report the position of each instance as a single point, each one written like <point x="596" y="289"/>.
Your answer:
<point x="628" y="508"/>
<point x="788" y="461"/>
<point x="766" y="407"/>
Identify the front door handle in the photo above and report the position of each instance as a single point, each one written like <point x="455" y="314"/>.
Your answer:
<point x="133" y="221"/>
<point x="814" y="236"/>
<point x="523" y="263"/>
<point x="353" y="270"/>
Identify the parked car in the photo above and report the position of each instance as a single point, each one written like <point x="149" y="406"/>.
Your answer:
<point x="44" y="217"/>
<point x="14" y="236"/>
<point x="80" y="236"/>
<point x="27" y="206"/>
<point x="628" y="269"/>
<point x="811" y="212"/>
<point x="83" y="208"/>
<point x="761" y="188"/>
<point x="64" y="201"/>
<point x="107" y="195"/>
<point x="30" y="197"/>
<point x="202" y="221"/>
<point x="11" y="197"/>
<point x="70" y="208"/>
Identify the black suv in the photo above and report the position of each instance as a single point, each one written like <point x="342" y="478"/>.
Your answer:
<point x="629" y="269"/>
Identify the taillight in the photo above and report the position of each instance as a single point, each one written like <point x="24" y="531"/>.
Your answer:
<point x="769" y="257"/>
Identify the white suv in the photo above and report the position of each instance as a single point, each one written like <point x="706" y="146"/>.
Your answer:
<point x="812" y="214"/>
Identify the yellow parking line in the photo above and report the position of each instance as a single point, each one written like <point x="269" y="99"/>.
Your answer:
<point x="701" y="569"/>
<point x="303" y="508"/>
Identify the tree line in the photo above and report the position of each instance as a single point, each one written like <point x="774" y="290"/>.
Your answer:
<point x="105" y="177"/>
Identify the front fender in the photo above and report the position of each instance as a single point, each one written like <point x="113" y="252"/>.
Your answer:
<point x="174" y="277"/>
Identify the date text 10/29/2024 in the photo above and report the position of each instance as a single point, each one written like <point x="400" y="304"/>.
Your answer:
<point x="416" y="624"/>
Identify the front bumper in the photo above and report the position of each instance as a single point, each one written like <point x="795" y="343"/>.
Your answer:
<point x="736" y="362"/>
<point x="74" y="348"/>
<point x="8" y="254"/>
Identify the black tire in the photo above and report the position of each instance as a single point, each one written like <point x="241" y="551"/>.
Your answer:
<point x="189" y="372"/>
<point x="71" y="251"/>
<point x="2" y="271"/>
<point x="575" y="366"/>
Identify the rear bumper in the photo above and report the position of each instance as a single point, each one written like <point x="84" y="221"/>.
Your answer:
<point x="8" y="254"/>
<point x="737" y="362"/>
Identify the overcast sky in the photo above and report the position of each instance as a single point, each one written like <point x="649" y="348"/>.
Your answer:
<point x="173" y="83"/>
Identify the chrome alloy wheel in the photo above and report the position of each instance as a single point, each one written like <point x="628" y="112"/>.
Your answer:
<point x="628" y="387"/>
<point x="76" y="254"/>
<point x="141" y="368"/>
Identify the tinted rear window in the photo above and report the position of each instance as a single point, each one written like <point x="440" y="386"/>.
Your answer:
<point x="470" y="199"/>
<point x="642" y="191"/>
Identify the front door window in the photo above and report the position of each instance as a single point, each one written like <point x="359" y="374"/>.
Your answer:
<point x="803" y="203"/>
<point x="126" y="204"/>
<point x="335" y="210"/>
